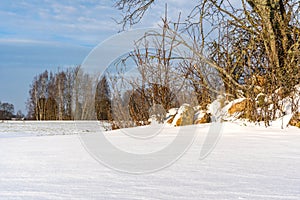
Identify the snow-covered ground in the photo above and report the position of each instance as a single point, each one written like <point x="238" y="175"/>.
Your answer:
<point x="46" y="160"/>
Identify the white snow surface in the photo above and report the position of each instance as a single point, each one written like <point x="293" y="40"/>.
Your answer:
<point x="46" y="160"/>
<point x="172" y="112"/>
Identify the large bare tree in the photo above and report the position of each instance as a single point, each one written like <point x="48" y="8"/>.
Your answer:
<point x="253" y="44"/>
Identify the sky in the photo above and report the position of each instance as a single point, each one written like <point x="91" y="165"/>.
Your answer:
<point x="36" y="35"/>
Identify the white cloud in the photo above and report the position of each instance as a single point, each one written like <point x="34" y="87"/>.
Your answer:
<point x="81" y="21"/>
<point x="22" y="41"/>
<point x="45" y="20"/>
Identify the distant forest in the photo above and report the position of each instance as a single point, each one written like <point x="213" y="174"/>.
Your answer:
<point x="63" y="96"/>
<point x="50" y="95"/>
<point x="7" y="111"/>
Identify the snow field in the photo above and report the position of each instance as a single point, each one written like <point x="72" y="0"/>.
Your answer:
<point x="46" y="160"/>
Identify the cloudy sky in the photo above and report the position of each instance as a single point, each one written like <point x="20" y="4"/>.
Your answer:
<point x="50" y="34"/>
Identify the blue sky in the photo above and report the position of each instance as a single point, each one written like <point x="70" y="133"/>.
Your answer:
<point x="36" y="35"/>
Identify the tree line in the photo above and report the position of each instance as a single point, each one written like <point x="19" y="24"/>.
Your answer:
<point x="67" y="95"/>
<point x="71" y="94"/>
<point x="7" y="112"/>
<point x="50" y="95"/>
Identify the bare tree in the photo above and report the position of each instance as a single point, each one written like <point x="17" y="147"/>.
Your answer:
<point x="133" y="10"/>
<point x="84" y="95"/>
